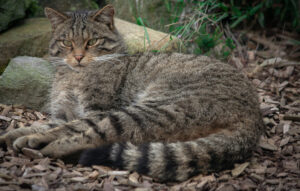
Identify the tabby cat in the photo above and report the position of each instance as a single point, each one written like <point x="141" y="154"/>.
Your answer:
<point x="166" y="115"/>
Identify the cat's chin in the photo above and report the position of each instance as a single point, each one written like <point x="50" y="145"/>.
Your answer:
<point x="77" y="65"/>
<point x="76" y="68"/>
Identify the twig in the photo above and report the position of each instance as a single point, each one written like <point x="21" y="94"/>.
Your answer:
<point x="291" y="108"/>
<point x="277" y="62"/>
<point x="291" y="117"/>
<point x="171" y="24"/>
<point x="265" y="42"/>
<point x="239" y="46"/>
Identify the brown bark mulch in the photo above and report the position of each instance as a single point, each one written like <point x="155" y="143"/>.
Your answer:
<point x="275" y="164"/>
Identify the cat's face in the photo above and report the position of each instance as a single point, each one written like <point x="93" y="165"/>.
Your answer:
<point x="79" y="38"/>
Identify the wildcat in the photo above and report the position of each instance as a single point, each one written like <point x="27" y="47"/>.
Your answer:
<point x="166" y="115"/>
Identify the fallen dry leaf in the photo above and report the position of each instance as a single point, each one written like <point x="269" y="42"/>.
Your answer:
<point x="239" y="169"/>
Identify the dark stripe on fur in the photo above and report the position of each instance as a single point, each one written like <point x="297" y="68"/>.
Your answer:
<point x="122" y="83"/>
<point x="171" y="164"/>
<point x="119" y="162"/>
<point x="52" y="125"/>
<point x="162" y="111"/>
<point x="115" y="122"/>
<point x="193" y="164"/>
<point x="87" y="136"/>
<point x="134" y="117"/>
<point x="145" y="110"/>
<point x="97" y="156"/>
<point x="100" y="116"/>
<point x="57" y="53"/>
<point x="52" y="45"/>
<point x="143" y="162"/>
<point x="83" y="28"/>
<point x="61" y="115"/>
<point x="150" y="116"/>
<point x="94" y="107"/>
<point x="222" y="159"/>
<point x="95" y="127"/>
<point x="71" y="128"/>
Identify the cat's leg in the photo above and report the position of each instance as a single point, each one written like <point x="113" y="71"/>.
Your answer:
<point x="136" y="124"/>
<point x="64" y="108"/>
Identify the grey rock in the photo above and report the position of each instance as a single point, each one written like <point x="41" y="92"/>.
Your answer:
<point x="26" y="81"/>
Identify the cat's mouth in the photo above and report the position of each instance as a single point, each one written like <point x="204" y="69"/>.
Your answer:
<point x="79" y="65"/>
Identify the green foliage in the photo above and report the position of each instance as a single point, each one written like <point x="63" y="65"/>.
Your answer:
<point x="33" y="8"/>
<point x="140" y="22"/>
<point x="94" y="4"/>
<point x="201" y="29"/>
<point x="200" y="23"/>
<point x="2" y="68"/>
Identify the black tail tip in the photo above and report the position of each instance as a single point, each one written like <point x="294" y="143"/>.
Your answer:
<point x="97" y="156"/>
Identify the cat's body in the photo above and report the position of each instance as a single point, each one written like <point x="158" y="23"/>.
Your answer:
<point x="169" y="116"/>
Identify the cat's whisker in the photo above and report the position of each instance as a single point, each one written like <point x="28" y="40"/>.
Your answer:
<point x="70" y="67"/>
<point x="60" y="62"/>
<point x="108" y="57"/>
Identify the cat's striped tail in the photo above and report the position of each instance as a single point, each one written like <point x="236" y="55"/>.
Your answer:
<point x="176" y="161"/>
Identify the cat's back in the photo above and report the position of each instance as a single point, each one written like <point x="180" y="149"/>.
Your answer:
<point x="181" y="67"/>
<point x="183" y="72"/>
<point x="191" y="82"/>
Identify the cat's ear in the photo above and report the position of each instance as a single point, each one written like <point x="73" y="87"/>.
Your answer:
<point x="55" y="17"/>
<point x="106" y="16"/>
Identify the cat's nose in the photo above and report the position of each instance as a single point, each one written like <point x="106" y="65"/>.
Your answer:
<point x="78" y="57"/>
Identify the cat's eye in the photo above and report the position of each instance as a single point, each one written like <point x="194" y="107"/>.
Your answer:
<point x="67" y="43"/>
<point x="92" y="42"/>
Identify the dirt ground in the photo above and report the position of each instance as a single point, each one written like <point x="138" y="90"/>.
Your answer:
<point x="274" y="165"/>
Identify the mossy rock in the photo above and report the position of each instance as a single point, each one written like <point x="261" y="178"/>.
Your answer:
<point x="30" y="38"/>
<point x="26" y="81"/>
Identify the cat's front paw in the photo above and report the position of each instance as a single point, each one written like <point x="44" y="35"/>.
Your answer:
<point x="9" y="138"/>
<point x="33" y="141"/>
<point x="60" y="141"/>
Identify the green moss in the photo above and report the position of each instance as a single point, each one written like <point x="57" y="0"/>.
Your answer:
<point x="2" y="68"/>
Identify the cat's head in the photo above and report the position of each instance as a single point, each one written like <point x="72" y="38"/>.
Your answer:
<point x="79" y="38"/>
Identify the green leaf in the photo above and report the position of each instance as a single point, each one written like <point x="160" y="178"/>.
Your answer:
<point x="236" y="22"/>
<point x="295" y="42"/>
<point x="229" y="42"/>
<point x="167" y="5"/>
<point x="141" y="23"/>
<point x="236" y="12"/>
<point x="223" y="16"/>
<point x="255" y="9"/>
<point x="226" y="54"/>
<point x="261" y="19"/>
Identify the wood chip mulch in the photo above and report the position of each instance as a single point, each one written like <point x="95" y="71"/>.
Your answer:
<point x="275" y="164"/>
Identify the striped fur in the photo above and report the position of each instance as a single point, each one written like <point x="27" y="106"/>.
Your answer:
<point x="167" y="115"/>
